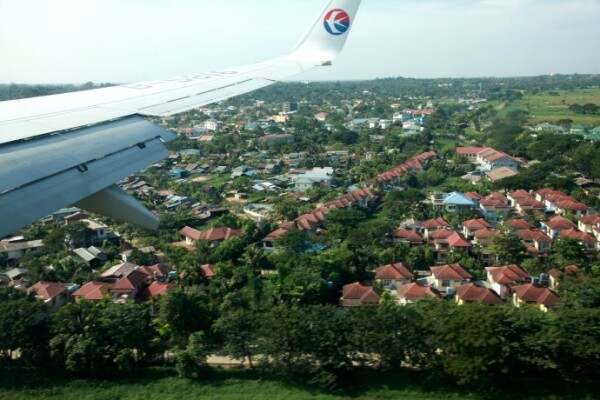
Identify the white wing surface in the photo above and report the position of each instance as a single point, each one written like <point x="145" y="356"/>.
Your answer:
<point x="59" y="150"/>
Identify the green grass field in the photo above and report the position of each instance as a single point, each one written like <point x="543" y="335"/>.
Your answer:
<point x="232" y="385"/>
<point x="547" y="108"/>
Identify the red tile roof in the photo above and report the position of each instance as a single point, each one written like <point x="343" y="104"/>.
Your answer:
<point x="157" y="289"/>
<point x="415" y="291"/>
<point x="465" y="151"/>
<point x="356" y="291"/>
<point x="484" y="234"/>
<point x="408" y="235"/>
<point x="393" y="272"/>
<point x="579" y="236"/>
<point x="435" y="223"/>
<point x="48" y="290"/>
<point x="533" y="235"/>
<point x="134" y="281"/>
<point x="476" y="224"/>
<point x="591" y="220"/>
<point x="209" y="271"/>
<point x="157" y="271"/>
<point x="531" y="293"/>
<point x="456" y="240"/>
<point x="452" y="272"/>
<point x="518" y="224"/>
<point x="571" y="205"/>
<point x="560" y="223"/>
<point x="508" y="274"/>
<point x="211" y="235"/>
<point x="93" y="291"/>
<point x="441" y="234"/>
<point x="471" y="293"/>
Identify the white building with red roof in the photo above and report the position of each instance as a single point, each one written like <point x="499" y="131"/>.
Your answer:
<point x="356" y="295"/>
<point x="538" y="296"/>
<point x="53" y="294"/>
<point x="393" y="275"/>
<point x="472" y="293"/>
<point x="215" y="235"/>
<point x="502" y="279"/>
<point x="413" y="292"/>
<point x="408" y="236"/>
<point x="449" y="276"/>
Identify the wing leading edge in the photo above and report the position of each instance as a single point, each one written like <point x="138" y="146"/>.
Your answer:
<point x="50" y="125"/>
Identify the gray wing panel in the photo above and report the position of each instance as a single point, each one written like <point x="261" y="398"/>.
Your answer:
<point x="34" y="194"/>
<point x="26" y="162"/>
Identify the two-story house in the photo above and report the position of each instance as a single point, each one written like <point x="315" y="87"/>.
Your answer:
<point x="393" y="275"/>
<point x="447" y="278"/>
<point x="502" y="279"/>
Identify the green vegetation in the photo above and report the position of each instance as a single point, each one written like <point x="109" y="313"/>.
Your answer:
<point x="162" y="384"/>
<point x="555" y="107"/>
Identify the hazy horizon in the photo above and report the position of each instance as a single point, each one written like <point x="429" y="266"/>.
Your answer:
<point x="69" y="41"/>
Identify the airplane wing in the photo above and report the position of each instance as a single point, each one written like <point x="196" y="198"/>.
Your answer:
<point x="70" y="149"/>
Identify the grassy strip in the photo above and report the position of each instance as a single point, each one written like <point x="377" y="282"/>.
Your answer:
<point x="155" y="384"/>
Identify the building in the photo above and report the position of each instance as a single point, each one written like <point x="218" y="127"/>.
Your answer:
<point x="538" y="296"/>
<point x="473" y="225"/>
<point x="215" y="235"/>
<point x="93" y="291"/>
<point x="15" y="250"/>
<point x="313" y="178"/>
<point x="412" y="292"/>
<point x="53" y="294"/>
<point x="393" y="275"/>
<point x="408" y="236"/>
<point x="497" y="174"/>
<point x="454" y="202"/>
<point x="356" y="295"/>
<point x="556" y="225"/>
<point x="472" y="293"/>
<point x="447" y="278"/>
<point x="502" y="279"/>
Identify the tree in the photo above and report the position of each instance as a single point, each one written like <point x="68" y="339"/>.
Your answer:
<point x="239" y="331"/>
<point x="183" y="312"/>
<point x="508" y="248"/>
<point x="191" y="360"/>
<point x="567" y="252"/>
<point x="97" y="338"/>
<point x="23" y="326"/>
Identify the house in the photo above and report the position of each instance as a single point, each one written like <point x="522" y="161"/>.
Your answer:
<point x="586" y="240"/>
<point x="208" y="270"/>
<point x="412" y="292"/>
<point x="556" y="225"/>
<point x="455" y="201"/>
<point x="518" y="224"/>
<point x="556" y="275"/>
<point x="215" y="235"/>
<point x="393" y="275"/>
<point x="472" y="293"/>
<point x="407" y="236"/>
<point x="494" y="206"/>
<point x="356" y="295"/>
<point x="15" y="250"/>
<point x="92" y="256"/>
<point x="432" y="225"/>
<point x="129" y="286"/>
<point x="15" y="276"/>
<point x="502" y="279"/>
<point x="97" y="232"/>
<point x="537" y="242"/>
<point x="119" y="270"/>
<point x="497" y="174"/>
<point x="313" y="178"/>
<point x="589" y="223"/>
<point x="54" y="295"/>
<point x="93" y="291"/>
<point x="570" y="206"/>
<point x="321" y="117"/>
<point x="469" y="152"/>
<point x="536" y="295"/>
<point x="157" y="272"/>
<point x="484" y="236"/>
<point x="447" y="278"/>
<point x="490" y="159"/>
<point x="157" y="290"/>
<point x="473" y="225"/>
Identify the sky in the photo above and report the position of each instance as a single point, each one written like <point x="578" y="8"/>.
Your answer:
<point x="118" y="41"/>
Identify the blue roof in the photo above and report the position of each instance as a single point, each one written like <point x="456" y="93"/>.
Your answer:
<point x="458" y="199"/>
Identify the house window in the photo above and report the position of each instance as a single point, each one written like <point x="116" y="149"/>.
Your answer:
<point x="446" y="283"/>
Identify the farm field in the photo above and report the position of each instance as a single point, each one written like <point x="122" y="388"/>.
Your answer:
<point x="545" y="107"/>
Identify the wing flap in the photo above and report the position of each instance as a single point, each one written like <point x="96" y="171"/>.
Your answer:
<point x="25" y="205"/>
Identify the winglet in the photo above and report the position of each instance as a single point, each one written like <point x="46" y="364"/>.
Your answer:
<point x="327" y="37"/>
